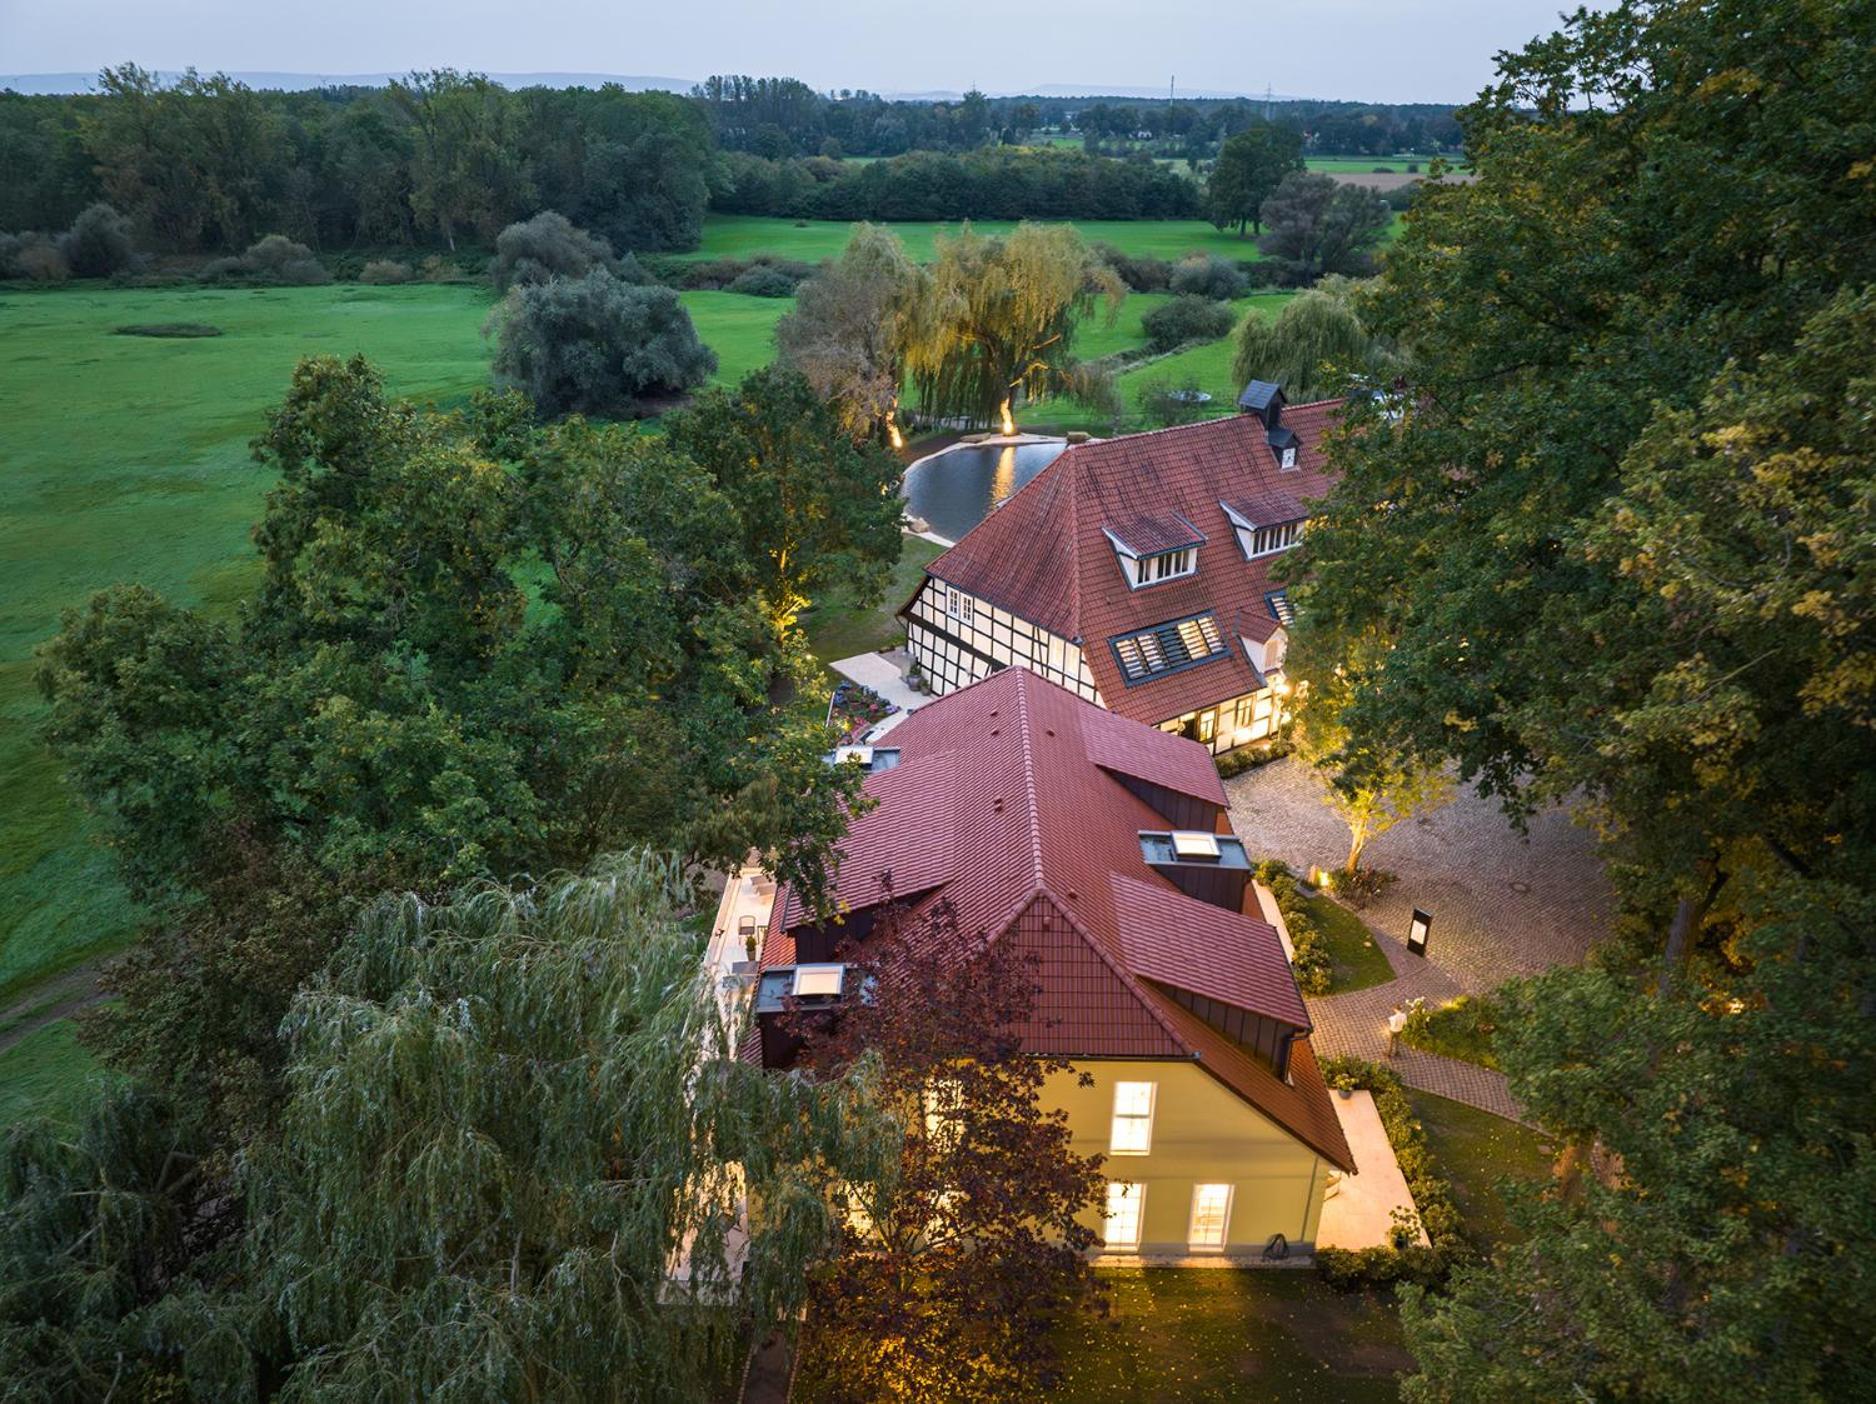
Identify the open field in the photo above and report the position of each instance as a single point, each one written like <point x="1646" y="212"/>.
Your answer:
<point x="1336" y="165"/>
<point x="745" y="236"/>
<point x="1206" y="366"/>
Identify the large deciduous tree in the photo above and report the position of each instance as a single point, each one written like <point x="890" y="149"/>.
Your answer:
<point x="850" y="328"/>
<point x="1315" y="346"/>
<point x="1319" y="225"/>
<point x="498" y="1148"/>
<point x="477" y="648"/>
<point x="816" y="509"/>
<point x="962" y="1246"/>
<point x="1251" y="165"/>
<point x="1002" y="318"/>
<point x="597" y="345"/>
<point x="1613" y="546"/>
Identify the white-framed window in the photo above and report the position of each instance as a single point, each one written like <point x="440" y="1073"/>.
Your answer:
<point x="1289" y="458"/>
<point x="944" y="1112"/>
<point x="959" y="605"/>
<point x="1126" y="1211"/>
<point x="1268" y="540"/>
<point x="1168" y="565"/>
<point x="1211" y="1217"/>
<point x="1132" y="1131"/>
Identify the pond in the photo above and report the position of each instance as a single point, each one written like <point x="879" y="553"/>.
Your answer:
<point x="955" y="490"/>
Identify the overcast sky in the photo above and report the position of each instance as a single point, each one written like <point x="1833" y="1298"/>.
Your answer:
<point x="1381" y="50"/>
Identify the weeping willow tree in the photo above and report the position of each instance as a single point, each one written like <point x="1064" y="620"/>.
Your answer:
<point x="1000" y="319"/>
<point x="850" y="328"/>
<point x="1314" y="346"/>
<point x="516" y="1163"/>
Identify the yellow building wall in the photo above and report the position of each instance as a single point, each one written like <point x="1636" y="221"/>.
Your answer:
<point x="1202" y="1134"/>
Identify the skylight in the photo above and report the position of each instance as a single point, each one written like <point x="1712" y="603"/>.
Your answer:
<point x="1190" y="843"/>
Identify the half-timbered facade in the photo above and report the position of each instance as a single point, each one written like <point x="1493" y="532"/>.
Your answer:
<point x="1136" y="572"/>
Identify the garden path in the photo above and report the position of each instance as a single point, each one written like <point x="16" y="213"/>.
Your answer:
<point x="1503" y="905"/>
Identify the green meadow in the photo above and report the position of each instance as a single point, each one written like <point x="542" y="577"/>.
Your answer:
<point x="810" y="241"/>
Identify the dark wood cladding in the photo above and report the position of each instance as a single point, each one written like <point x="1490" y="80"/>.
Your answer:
<point x="1180" y="811"/>
<point x="1208" y="882"/>
<point x="1266" y="1039"/>
<point x="820" y="945"/>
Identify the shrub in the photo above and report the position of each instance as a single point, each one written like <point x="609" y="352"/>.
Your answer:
<point x="1163" y="404"/>
<point x="548" y="246"/>
<point x="32" y="255"/>
<point x="381" y="271"/>
<point x="1460" y="1028"/>
<point x="273" y="259"/>
<point x="764" y="281"/>
<point x="1250" y="757"/>
<point x="98" y="243"/>
<point x="717" y="274"/>
<point x="597" y="345"/>
<point x="1139" y="274"/>
<point x="1186" y="318"/>
<point x="1311" y="962"/>
<point x="1209" y="275"/>
<point x="1432" y="1193"/>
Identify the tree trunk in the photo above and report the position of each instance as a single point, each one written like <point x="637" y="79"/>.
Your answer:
<point x="1357" y="840"/>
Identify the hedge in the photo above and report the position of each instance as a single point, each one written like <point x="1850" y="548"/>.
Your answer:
<point x="1432" y="1193"/>
<point x="1314" y="969"/>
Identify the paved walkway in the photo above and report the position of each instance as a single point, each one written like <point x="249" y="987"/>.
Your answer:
<point x="884" y="673"/>
<point x="1358" y="1210"/>
<point x="1503" y="905"/>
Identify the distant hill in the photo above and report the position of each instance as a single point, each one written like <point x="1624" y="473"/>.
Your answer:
<point x="299" y="82"/>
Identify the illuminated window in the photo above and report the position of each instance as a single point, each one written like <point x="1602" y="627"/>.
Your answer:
<point x="1132" y="1132"/>
<point x="944" y="1112"/>
<point x="1126" y="1204"/>
<point x="1211" y="1214"/>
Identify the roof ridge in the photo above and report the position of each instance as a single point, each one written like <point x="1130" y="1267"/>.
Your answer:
<point x="1029" y="774"/>
<point x="1142" y="995"/>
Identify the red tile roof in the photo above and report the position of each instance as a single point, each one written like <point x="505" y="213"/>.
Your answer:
<point x="1008" y="795"/>
<point x="1044" y="554"/>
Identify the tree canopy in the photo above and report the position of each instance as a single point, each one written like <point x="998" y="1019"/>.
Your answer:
<point x="1609" y="548"/>
<point x="1002" y="319"/>
<point x="1250" y="166"/>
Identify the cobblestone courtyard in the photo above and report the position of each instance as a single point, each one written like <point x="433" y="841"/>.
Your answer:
<point x="1503" y="904"/>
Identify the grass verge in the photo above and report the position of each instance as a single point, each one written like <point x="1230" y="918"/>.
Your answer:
<point x="1478" y="1153"/>
<point x="1356" y="959"/>
<point x="46" y="1072"/>
<point x="837" y="628"/>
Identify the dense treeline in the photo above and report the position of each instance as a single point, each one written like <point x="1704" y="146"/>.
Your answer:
<point x="208" y="164"/>
<point x="778" y="117"/>
<point x="987" y="184"/>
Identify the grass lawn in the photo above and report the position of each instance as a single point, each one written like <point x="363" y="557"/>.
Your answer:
<point x="1247" y="1335"/>
<point x="1357" y="961"/>
<point x="1207" y="366"/>
<point x="739" y="328"/>
<point x="837" y="629"/>
<point x="1477" y="1151"/>
<point x="744" y="236"/>
<point x="45" y="1072"/>
<point x="1365" y="164"/>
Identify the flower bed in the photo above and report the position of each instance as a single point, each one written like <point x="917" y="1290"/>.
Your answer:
<point x="855" y="708"/>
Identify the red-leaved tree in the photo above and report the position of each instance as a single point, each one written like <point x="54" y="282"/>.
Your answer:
<point x="959" y="1254"/>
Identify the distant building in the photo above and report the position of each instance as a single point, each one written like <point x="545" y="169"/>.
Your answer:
<point x="1136" y="573"/>
<point x="1103" y="847"/>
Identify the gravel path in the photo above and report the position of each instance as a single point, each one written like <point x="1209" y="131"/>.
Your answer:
<point x="1503" y="905"/>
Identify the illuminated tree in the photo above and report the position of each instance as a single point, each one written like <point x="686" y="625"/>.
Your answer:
<point x="1001" y="319"/>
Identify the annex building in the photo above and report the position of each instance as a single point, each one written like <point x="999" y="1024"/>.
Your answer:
<point x="1104" y="848"/>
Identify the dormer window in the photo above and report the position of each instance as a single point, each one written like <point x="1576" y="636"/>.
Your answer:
<point x="1267" y="541"/>
<point x="1152" y="549"/>
<point x="1168" y="565"/>
<point x="1289" y="456"/>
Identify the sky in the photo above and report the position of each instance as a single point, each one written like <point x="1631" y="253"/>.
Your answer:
<point x="1377" y="50"/>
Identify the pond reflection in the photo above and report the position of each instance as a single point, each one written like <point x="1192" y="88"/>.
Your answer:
<point x="954" y="491"/>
